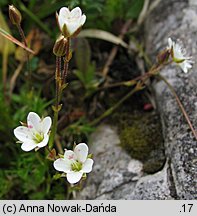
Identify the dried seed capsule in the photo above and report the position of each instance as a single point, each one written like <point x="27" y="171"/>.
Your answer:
<point x="59" y="48"/>
<point x="15" y="15"/>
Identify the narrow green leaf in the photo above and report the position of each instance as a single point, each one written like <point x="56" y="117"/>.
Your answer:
<point x="103" y="35"/>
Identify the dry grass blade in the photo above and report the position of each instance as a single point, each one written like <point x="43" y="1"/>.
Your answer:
<point x="14" y="40"/>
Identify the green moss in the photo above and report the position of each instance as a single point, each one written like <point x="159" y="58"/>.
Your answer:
<point x="154" y="166"/>
<point x="141" y="136"/>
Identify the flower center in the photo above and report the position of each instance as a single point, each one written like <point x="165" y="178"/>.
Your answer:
<point x="38" y="137"/>
<point x="76" y="166"/>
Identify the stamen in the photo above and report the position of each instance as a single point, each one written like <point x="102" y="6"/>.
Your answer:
<point x="76" y="166"/>
<point x="38" y="137"/>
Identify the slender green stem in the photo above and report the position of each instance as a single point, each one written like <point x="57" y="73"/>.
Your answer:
<point x="180" y="104"/>
<point x="113" y="108"/>
<point x="27" y="54"/>
<point x="154" y="70"/>
<point x="53" y="130"/>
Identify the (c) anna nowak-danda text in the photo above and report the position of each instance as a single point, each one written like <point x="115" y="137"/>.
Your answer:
<point x="67" y="208"/>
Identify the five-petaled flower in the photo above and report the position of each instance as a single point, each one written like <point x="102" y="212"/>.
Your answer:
<point x="178" y="55"/>
<point x="75" y="163"/>
<point x="70" y="22"/>
<point x="34" y="134"/>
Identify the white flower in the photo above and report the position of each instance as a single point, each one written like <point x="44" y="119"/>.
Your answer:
<point x="36" y="134"/>
<point x="70" y="22"/>
<point x="75" y="163"/>
<point x="178" y="55"/>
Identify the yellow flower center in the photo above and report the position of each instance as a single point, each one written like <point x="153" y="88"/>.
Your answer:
<point x="38" y="137"/>
<point x="76" y="166"/>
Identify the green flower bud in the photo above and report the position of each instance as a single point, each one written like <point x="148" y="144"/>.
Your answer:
<point x="59" y="48"/>
<point x="15" y="15"/>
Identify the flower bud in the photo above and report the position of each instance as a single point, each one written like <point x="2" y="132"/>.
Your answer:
<point x="59" y="48"/>
<point x="163" y="56"/>
<point x="15" y="15"/>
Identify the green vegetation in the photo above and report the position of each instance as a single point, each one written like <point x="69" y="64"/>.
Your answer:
<point x="30" y="175"/>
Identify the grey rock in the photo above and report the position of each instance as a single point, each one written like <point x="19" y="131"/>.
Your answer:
<point x="115" y="174"/>
<point x="111" y="169"/>
<point x="154" y="187"/>
<point x="178" y="21"/>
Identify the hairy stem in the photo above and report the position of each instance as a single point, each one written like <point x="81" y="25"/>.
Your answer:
<point x="66" y="61"/>
<point x="60" y="82"/>
<point x="56" y="108"/>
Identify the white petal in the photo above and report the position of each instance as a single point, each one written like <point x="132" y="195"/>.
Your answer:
<point x="22" y="133"/>
<point x="178" y="53"/>
<point x="70" y="155"/>
<point x="185" y="70"/>
<point x="87" y="166"/>
<point x="83" y="19"/>
<point x="72" y="27"/>
<point x="46" y="124"/>
<point x="170" y="43"/>
<point x="74" y="177"/>
<point x="33" y="121"/>
<point x="186" y="65"/>
<point x="64" y="14"/>
<point x="81" y="151"/>
<point x="61" y="22"/>
<point x="62" y="165"/>
<point x="76" y="13"/>
<point x="44" y="141"/>
<point x="28" y="146"/>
